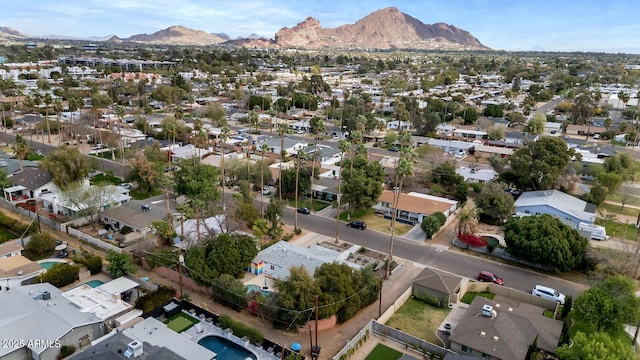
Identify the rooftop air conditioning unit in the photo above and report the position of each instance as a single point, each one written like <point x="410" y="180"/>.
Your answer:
<point x="46" y="295"/>
<point x="486" y="310"/>
<point x="134" y="350"/>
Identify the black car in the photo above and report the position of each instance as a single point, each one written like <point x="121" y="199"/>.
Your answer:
<point x="304" y="210"/>
<point x="357" y="225"/>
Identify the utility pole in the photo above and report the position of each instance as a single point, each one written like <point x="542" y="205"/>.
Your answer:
<point x="380" y="300"/>
<point x="315" y="350"/>
<point x="180" y="262"/>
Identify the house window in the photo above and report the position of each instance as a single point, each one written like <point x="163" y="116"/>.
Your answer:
<point x="486" y="356"/>
<point x="465" y="349"/>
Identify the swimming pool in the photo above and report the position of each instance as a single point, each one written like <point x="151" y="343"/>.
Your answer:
<point x="49" y="264"/>
<point x="226" y="349"/>
<point x="255" y="288"/>
<point x="94" y="283"/>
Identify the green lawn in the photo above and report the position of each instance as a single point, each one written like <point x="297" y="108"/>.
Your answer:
<point x="317" y="205"/>
<point x="381" y="352"/>
<point x="6" y="235"/>
<point x="140" y="195"/>
<point x="180" y="322"/>
<point x="105" y="178"/>
<point x="615" y="335"/>
<point x="468" y="297"/>
<point x="419" y="319"/>
<point x="617" y="229"/>
<point x="633" y="200"/>
<point x="615" y="209"/>
<point x="377" y="222"/>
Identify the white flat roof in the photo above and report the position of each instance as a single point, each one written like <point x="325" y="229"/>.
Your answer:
<point x="96" y="301"/>
<point x="118" y="285"/>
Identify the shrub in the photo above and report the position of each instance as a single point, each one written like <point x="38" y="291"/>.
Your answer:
<point x="60" y="275"/>
<point x="40" y="244"/>
<point x="125" y="230"/>
<point x="442" y="218"/>
<point x="472" y="240"/>
<point x="477" y="187"/>
<point x="65" y="350"/>
<point x="240" y="329"/>
<point x="92" y="262"/>
<point x="150" y="301"/>
<point x="430" y="225"/>
<point x="429" y="300"/>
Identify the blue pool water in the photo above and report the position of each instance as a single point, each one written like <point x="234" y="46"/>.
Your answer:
<point x="251" y="288"/>
<point x="49" y="264"/>
<point x="94" y="283"/>
<point x="226" y="349"/>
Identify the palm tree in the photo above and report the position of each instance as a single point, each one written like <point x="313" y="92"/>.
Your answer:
<point x="344" y="147"/>
<point x="263" y="148"/>
<point x="404" y="168"/>
<point x="47" y="101"/>
<point x="283" y="128"/>
<point x="356" y="140"/>
<point x="21" y="149"/>
<point x="57" y="108"/>
<point x="225" y="135"/>
<point x="468" y="220"/>
<point x="320" y="128"/>
<point x="301" y="156"/>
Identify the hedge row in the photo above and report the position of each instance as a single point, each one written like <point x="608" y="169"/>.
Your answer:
<point x="240" y="329"/>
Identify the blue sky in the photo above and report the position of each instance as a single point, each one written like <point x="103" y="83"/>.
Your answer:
<point x="549" y="25"/>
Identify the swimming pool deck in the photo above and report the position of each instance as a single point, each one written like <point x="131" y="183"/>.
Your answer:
<point x="208" y="329"/>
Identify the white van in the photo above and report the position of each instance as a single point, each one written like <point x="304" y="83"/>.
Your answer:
<point x="596" y="232"/>
<point x="548" y="293"/>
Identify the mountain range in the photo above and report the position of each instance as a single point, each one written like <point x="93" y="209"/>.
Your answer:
<point x="388" y="28"/>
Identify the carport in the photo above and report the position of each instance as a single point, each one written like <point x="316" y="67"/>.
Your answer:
<point x="121" y="285"/>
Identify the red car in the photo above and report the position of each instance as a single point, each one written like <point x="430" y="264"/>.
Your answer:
<point x="490" y="277"/>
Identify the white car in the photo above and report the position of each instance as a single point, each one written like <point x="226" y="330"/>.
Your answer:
<point x="548" y="293"/>
<point x="266" y="190"/>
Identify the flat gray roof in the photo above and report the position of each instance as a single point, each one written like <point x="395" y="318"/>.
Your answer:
<point x="25" y="318"/>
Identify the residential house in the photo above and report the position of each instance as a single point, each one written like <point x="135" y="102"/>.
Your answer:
<point x="276" y="260"/>
<point x="10" y="248"/>
<point x="438" y="284"/>
<point x="138" y="215"/>
<point x="40" y="312"/>
<point x="323" y="154"/>
<point x="569" y="209"/>
<point x="291" y="146"/>
<point x="189" y="151"/>
<point x="30" y="183"/>
<point x="17" y="270"/>
<point x="517" y="138"/>
<point x="474" y="174"/>
<point x="584" y="130"/>
<point x="413" y="207"/>
<point x="504" y="329"/>
<point x="488" y="150"/>
<point x="57" y="204"/>
<point x="470" y="134"/>
<point x="147" y="339"/>
<point x="552" y="128"/>
<point x="452" y="146"/>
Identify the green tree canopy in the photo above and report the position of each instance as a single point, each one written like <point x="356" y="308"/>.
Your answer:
<point x="595" y="346"/>
<point x="362" y="186"/>
<point x="538" y="165"/>
<point x="544" y="239"/>
<point x="66" y="165"/>
<point x="609" y="304"/>
<point x="120" y="264"/>
<point x="495" y="204"/>
<point x="198" y="182"/>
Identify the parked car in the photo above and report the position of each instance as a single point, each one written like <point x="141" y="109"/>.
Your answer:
<point x="357" y="225"/>
<point x="490" y="277"/>
<point x="394" y="149"/>
<point x="548" y="293"/>
<point x="304" y="210"/>
<point x="266" y="190"/>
